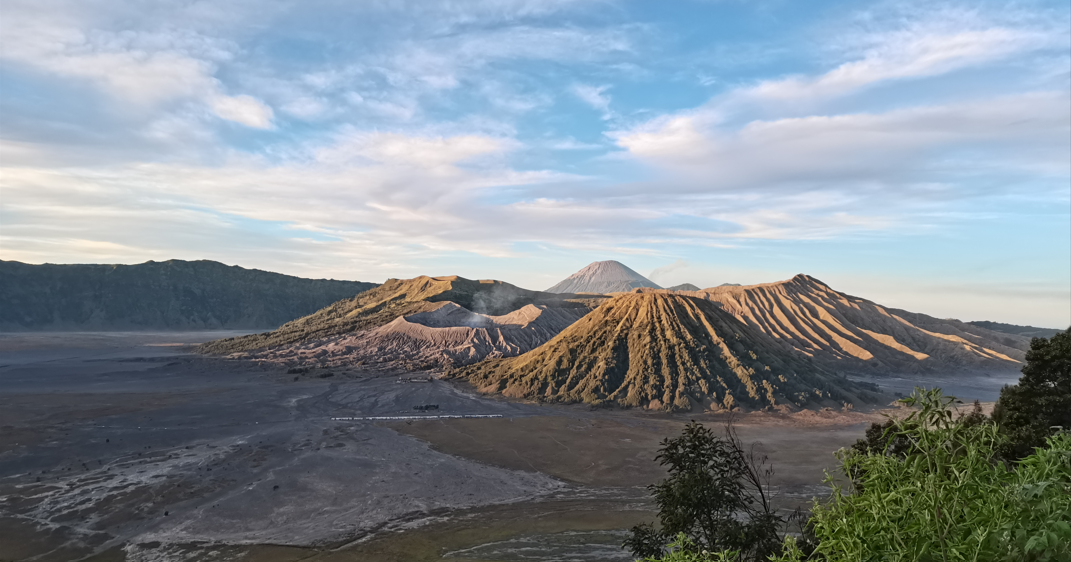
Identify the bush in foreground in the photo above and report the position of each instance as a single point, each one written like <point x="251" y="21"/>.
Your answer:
<point x="716" y="498"/>
<point x="940" y="491"/>
<point x="949" y="498"/>
<point x="1031" y="411"/>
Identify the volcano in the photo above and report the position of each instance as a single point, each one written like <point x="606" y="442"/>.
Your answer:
<point x="664" y="351"/>
<point x="447" y="335"/>
<point x="854" y="335"/>
<point x="603" y="277"/>
<point x="397" y="298"/>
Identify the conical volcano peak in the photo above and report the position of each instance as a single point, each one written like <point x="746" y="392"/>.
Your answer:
<point x="603" y="277"/>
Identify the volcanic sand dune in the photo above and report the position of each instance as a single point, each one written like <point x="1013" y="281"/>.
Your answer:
<point x="663" y="351"/>
<point x="447" y="335"/>
<point x="850" y="334"/>
<point x="397" y="298"/>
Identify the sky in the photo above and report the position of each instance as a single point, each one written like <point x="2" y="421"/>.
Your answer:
<point x="917" y="154"/>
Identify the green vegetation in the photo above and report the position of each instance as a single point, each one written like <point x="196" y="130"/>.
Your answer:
<point x="1034" y="409"/>
<point x="937" y="491"/>
<point x="946" y="497"/>
<point x="714" y="499"/>
<point x="396" y="297"/>
<point x="669" y="352"/>
<point x="175" y="295"/>
<point x="932" y="486"/>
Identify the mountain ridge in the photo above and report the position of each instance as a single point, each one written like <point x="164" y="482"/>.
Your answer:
<point x="170" y="295"/>
<point x="852" y="334"/>
<point x="1014" y="329"/>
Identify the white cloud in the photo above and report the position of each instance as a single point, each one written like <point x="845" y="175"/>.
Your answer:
<point x="307" y="107"/>
<point x="571" y="143"/>
<point x="380" y="194"/>
<point x="143" y="70"/>
<point x="1025" y="131"/>
<point x="413" y="147"/>
<point x="247" y="110"/>
<point x="793" y="134"/>
<point x="595" y="96"/>
<point x="904" y="55"/>
<point x="429" y="153"/>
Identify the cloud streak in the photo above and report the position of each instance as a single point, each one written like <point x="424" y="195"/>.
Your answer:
<point x="380" y="136"/>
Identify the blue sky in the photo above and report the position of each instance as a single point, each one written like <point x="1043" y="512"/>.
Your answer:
<point x="914" y="153"/>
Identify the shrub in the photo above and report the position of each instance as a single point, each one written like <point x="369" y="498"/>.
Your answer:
<point x="946" y="498"/>
<point x="715" y="498"/>
<point x="1029" y="411"/>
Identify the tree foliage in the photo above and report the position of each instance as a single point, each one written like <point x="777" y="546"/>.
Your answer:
<point x="1029" y="411"/>
<point x="716" y="498"/>
<point x="931" y="487"/>
<point x="947" y="498"/>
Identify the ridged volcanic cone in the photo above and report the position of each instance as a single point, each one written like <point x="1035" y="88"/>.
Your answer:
<point x="850" y="334"/>
<point x="663" y="351"/>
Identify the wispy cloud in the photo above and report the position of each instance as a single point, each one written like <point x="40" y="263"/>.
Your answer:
<point x="596" y="97"/>
<point x="1027" y="131"/>
<point x="792" y="139"/>
<point x="142" y="69"/>
<point x="913" y="53"/>
<point x="385" y="134"/>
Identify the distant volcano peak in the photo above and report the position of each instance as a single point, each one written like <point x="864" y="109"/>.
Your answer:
<point x="603" y="277"/>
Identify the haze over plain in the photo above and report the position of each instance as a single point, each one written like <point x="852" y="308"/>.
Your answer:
<point x="912" y="152"/>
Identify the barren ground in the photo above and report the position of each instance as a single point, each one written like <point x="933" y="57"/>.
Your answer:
<point x="128" y="447"/>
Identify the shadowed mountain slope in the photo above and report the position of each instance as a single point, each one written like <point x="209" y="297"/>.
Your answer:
<point x="663" y="351"/>
<point x="602" y="277"/>
<point x="391" y="300"/>
<point x="1024" y="331"/>
<point x="851" y="334"/>
<point x="446" y="336"/>
<point x="171" y="295"/>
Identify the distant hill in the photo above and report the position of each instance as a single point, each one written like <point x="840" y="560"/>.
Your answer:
<point x="1024" y="331"/>
<point x="169" y="295"/>
<point x="603" y="277"/>
<point x="851" y="334"/>
<point x="683" y="287"/>
<point x="664" y="351"/>
<point x="393" y="299"/>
